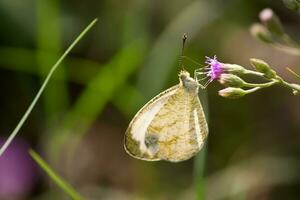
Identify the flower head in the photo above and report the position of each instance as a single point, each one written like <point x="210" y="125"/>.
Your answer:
<point x="215" y="68"/>
<point x="211" y="72"/>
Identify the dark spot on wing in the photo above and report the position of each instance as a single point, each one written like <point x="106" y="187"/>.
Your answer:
<point x="151" y="142"/>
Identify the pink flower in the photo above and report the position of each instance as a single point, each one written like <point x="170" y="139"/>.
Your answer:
<point x="214" y="68"/>
<point x="211" y="72"/>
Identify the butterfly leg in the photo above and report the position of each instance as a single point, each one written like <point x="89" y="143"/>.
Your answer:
<point x="206" y="77"/>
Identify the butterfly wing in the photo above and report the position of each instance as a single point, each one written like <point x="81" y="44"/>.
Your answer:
<point x="179" y="129"/>
<point x="170" y="127"/>
<point x="134" y="141"/>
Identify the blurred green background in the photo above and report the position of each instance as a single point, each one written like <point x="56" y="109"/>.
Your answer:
<point x="128" y="57"/>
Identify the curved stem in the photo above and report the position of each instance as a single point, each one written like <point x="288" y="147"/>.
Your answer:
<point x="252" y="90"/>
<point x="276" y="80"/>
<point x="288" y="85"/>
<point x="262" y="85"/>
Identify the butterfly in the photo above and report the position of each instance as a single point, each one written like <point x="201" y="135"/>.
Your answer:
<point x="171" y="126"/>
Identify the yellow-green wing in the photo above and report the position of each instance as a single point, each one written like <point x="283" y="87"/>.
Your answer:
<point x="134" y="140"/>
<point x="179" y="129"/>
<point x="170" y="127"/>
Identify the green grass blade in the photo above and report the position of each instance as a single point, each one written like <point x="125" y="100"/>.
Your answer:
<point x="58" y="180"/>
<point x="28" y="111"/>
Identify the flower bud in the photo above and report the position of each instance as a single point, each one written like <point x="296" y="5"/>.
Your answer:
<point x="271" y="21"/>
<point x="263" y="67"/>
<point x="260" y="32"/>
<point x="232" y="93"/>
<point x="231" y="80"/>
<point x="233" y="68"/>
<point x="292" y="4"/>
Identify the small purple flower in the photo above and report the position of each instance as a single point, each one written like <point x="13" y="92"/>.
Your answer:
<point x="211" y="72"/>
<point x="215" y="68"/>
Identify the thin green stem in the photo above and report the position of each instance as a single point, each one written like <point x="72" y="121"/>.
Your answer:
<point x="277" y="80"/>
<point x="261" y="85"/>
<point x="58" y="180"/>
<point x="292" y="86"/>
<point x="199" y="180"/>
<point x="252" y="90"/>
<point x="36" y="98"/>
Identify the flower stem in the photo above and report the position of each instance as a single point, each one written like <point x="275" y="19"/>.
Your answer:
<point x="288" y="85"/>
<point x="277" y="80"/>
<point x="252" y="90"/>
<point x="261" y="85"/>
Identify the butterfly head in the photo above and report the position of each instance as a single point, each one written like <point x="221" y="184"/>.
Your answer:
<point x="187" y="81"/>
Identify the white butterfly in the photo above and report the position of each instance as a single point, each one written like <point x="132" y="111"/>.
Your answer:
<point x="171" y="127"/>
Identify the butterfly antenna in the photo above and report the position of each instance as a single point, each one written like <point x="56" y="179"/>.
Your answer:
<point x="184" y="37"/>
